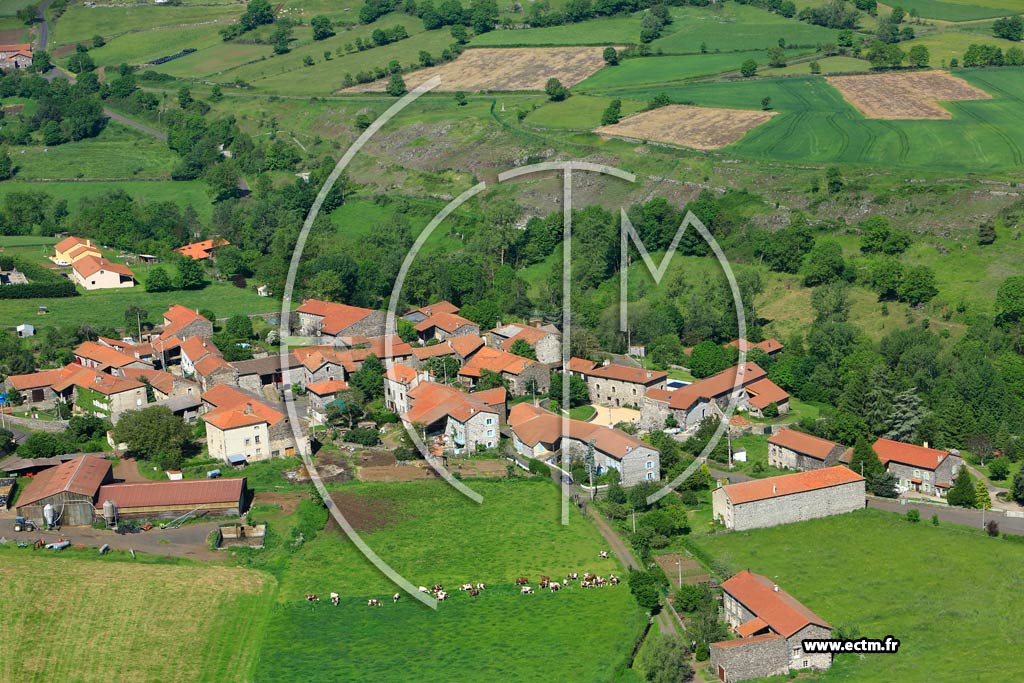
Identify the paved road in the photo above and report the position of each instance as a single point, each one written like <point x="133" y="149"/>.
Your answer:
<point x="44" y="30"/>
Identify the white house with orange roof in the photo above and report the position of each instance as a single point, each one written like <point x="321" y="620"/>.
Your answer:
<point x="241" y="427"/>
<point x="94" y="272"/>
<point x="453" y="421"/>
<point x="399" y="380"/>
<point x="193" y="350"/>
<point x="70" y="249"/>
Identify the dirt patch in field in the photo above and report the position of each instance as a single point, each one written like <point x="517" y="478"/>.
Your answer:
<point x="362" y="512"/>
<point x="412" y="471"/>
<point x="905" y="95"/>
<point x="526" y="68"/>
<point x="693" y="573"/>
<point x="331" y="468"/>
<point x="681" y="124"/>
<point x="375" y="458"/>
<point x="478" y="468"/>
<point x="288" y="502"/>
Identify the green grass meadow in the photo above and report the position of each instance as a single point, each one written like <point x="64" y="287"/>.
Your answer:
<point x="430" y="534"/>
<point x="946" y="592"/>
<point x="961" y="10"/>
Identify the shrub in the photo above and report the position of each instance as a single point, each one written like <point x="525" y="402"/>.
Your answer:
<point x="913" y="516"/>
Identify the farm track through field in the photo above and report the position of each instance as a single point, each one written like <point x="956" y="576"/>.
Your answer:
<point x="844" y="137"/>
<point x="904" y="140"/>
<point x="870" y="138"/>
<point x="791" y="127"/>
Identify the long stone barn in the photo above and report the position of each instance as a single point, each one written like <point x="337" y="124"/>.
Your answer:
<point x="788" y="498"/>
<point x="170" y="499"/>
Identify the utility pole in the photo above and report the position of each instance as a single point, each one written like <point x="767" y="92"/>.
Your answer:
<point x="728" y="440"/>
<point x="679" y="564"/>
<point x="634" y="521"/>
<point x="138" y="315"/>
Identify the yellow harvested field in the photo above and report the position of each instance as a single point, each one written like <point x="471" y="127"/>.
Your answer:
<point x="682" y="124"/>
<point x="905" y="95"/>
<point x="514" y="68"/>
<point x="90" y="620"/>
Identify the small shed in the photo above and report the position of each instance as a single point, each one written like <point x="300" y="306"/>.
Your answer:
<point x="70" y="488"/>
<point x="26" y="330"/>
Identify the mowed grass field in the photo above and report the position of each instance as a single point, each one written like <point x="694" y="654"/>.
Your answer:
<point x="960" y="10"/>
<point x="947" y="592"/>
<point x="75" y="618"/>
<point x="184" y="192"/>
<point x="430" y="533"/>
<point x="817" y="125"/>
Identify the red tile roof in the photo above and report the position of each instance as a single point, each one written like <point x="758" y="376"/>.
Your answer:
<point x="622" y="373"/>
<point x="104" y="355"/>
<point x="196" y="348"/>
<point x="176" y="319"/>
<point x="198" y="251"/>
<point x="434" y="309"/>
<point x="788" y="484"/>
<point x="909" y="454"/>
<point x="210" y="364"/>
<point x="449" y="322"/>
<point x="430" y="402"/>
<point x="741" y="642"/>
<point x="712" y="387"/>
<point x="83" y="476"/>
<point x="193" y="492"/>
<point x="71" y="241"/>
<point x="251" y="412"/>
<point x="781" y="611"/>
<point x="466" y="345"/>
<point x="225" y="394"/>
<point x="335" y="317"/>
<point x="90" y="265"/>
<point x="764" y="392"/>
<point x="158" y="379"/>
<point x="328" y="387"/>
<point x="751" y="627"/>
<point x="769" y="346"/>
<point x="400" y="373"/>
<point x="495" y="360"/>
<point x="533" y="424"/>
<point x="805" y="444"/>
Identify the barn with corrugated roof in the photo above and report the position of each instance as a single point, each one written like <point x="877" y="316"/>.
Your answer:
<point x="70" y="488"/>
<point x="170" y="499"/>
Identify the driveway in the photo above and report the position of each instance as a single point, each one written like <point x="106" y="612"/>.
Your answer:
<point x="185" y="541"/>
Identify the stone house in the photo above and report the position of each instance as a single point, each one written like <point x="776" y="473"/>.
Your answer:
<point x="242" y="427"/>
<point x="320" y="395"/>
<point x="460" y="348"/>
<point x="919" y="469"/>
<point x="546" y="341"/>
<point x="257" y="374"/>
<point x="610" y="384"/>
<point x="399" y="380"/>
<point x="179" y="324"/>
<point x="100" y="357"/>
<point x="710" y="396"/>
<point x="328" y="319"/>
<point x="771" y="625"/>
<point x="788" y="498"/>
<point x="193" y="350"/>
<point x="444" y="326"/>
<point x="418" y="315"/>
<point x="91" y="272"/>
<point x="452" y="421"/>
<point x="524" y="376"/>
<point x="771" y="347"/>
<point x="164" y="384"/>
<point x="16" y="56"/>
<point x="212" y="370"/>
<point x="793" y="450"/>
<point x="537" y="433"/>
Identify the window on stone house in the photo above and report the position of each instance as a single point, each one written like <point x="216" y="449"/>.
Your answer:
<point x="257" y="437"/>
<point x="917" y="474"/>
<point x="248" y="441"/>
<point x="806" y="664"/>
<point x="650" y="476"/>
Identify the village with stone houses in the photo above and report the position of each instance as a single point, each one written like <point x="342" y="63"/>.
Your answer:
<point x="469" y="396"/>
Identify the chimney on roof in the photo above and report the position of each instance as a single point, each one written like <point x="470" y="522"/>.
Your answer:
<point x="774" y="489"/>
<point x="607" y="362"/>
<point x="925" y="444"/>
<point x="775" y="587"/>
<point x="248" y="408"/>
<point x="649" y="374"/>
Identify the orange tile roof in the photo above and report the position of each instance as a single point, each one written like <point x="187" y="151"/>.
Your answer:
<point x="449" y="322"/>
<point x="158" y="379"/>
<point x="530" y="335"/>
<point x="712" y="387"/>
<point x="225" y="395"/>
<point x="466" y="345"/>
<point x="783" y="613"/>
<point x="336" y="317"/>
<point x="788" y="484"/>
<point x="81" y="249"/>
<point x="804" y="444"/>
<point x="495" y="360"/>
<point x="434" y="309"/>
<point x="741" y="642"/>
<point x="196" y="348"/>
<point x="751" y="627"/>
<point x="209" y="364"/>
<point x="400" y="373"/>
<point x="497" y="396"/>
<point x="328" y="387"/>
<point x="197" y="251"/>
<point x="433" y="351"/>
<point x="764" y="392"/>
<point x="68" y="242"/>
<point x="533" y="424"/>
<point x="430" y="402"/>
<point x="18" y="47"/>
<point x="908" y="454"/>
<point x="104" y="355"/>
<point x="176" y="318"/>
<point x="83" y="476"/>
<point x="193" y="492"/>
<point x="768" y="345"/>
<point x="243" y="414"/>
<point x="90" y="265"/>
<point x="621" y="373"/>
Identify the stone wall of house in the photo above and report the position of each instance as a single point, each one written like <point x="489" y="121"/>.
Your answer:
<point x="635" y="466"/>
<point x="282" y="438"/>
<point x="460" y="331"/>
<point x="325" y="372"/>
<point x="797" y="507"/>
<point x="734" y="612"/>
<point x="370" y="326"/>
<point x="219" y="376"/>
<point x="614" y="392"/>
<point x="758" y="659"/>
<point x="481" y="428"/>
<point x="798" y="659"/>
<point x="653" y="414"/>
<point x="196" y="328"/>
<point x="520" y="384"/>
<point x="251" y="383"/>
<point x="779" y="456"/>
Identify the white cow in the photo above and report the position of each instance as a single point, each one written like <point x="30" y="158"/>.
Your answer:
<point x="525" y="590"/>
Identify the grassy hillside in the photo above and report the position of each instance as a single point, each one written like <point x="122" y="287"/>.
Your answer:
<point x="876" y="574"/>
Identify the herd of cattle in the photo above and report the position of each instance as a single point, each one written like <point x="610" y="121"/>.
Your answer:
<point x="437" y="590"/>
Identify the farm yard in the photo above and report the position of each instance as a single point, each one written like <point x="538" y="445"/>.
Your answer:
<point x="697" y="127"/>
<point x="905" y="96"/>
<point x="80" y="618"/>
<point x="863" y="559"/>
<point x="505" y="69"/>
